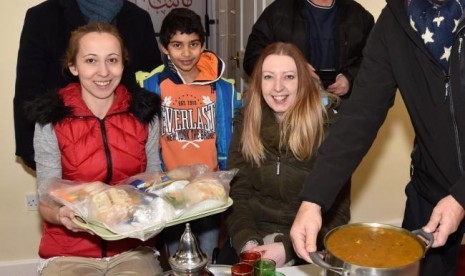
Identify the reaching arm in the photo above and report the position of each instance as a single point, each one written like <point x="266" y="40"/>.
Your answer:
<point x="305" y="229"/>
<point x="358" y="123"/>
<point x="350" y="138"/>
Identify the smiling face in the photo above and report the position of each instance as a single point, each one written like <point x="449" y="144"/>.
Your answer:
<point x="279" y="83"/>
<point x="184" y="51"/>
<point x="99" y="66"/>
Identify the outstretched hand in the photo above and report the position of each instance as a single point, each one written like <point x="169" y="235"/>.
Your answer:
<point x="304" y="231"/>
<point x="444" y="220"/>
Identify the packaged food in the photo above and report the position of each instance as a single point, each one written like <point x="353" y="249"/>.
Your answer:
<point x="150" y="182"/>
<point x="122" y="209"/>
<point x="141" y="206"/>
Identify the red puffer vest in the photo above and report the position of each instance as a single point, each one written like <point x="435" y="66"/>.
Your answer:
<point x="93" y="149"/>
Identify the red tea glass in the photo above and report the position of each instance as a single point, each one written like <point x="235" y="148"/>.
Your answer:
<point x="241" y="269"/>
<point x="250" y="256"/>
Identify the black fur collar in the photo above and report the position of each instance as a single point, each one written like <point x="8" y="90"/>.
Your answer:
<point x="50" y="108"/>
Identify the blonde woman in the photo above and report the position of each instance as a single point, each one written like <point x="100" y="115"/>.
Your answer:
<point x="275" y="139"/>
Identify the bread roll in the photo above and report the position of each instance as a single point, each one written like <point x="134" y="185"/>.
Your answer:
<point x="203" y="189"/>
<point x="181" y="173"/>
<point x="112" y="206"/>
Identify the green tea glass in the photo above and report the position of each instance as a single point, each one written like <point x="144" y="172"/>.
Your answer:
<point x="263" y="266"/>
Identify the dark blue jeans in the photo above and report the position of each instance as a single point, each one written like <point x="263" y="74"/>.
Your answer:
<point x="438" y="261"/>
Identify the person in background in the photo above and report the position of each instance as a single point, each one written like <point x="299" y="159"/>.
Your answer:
<point x="417" y="47"/>
<point x="197" y="109"/>
<point x="330" y="33"/>
<point x="46" y="32"/>
<point x="91" y="131"/>
<point x="274" y="145"/>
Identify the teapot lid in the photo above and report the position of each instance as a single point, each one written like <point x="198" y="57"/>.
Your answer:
<point x="189" y="258"/>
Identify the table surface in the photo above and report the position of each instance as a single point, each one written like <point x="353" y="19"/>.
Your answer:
<point x="302" y="270"/>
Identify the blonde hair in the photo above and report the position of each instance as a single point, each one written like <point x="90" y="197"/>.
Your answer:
<point x="302" y="124"/>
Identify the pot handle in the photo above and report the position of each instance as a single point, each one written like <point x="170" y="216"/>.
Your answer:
<point x="321" y="263"/>
<point x="426" y="236"/>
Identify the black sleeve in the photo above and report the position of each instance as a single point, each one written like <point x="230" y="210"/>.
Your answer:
<point x="136" y="28"/>
<point x="149" y="51"/>
<point x="350" y="71"/>
<point x="259" y="38"/>
<point x="31" y="73"/>
<point x="358" y="121"/>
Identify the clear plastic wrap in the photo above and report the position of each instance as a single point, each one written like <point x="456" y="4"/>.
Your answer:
<point x="205" y="191"/>
<point x="121" y="209"/>
<point x="152" y="182"/>
<point x="142" y="205"/>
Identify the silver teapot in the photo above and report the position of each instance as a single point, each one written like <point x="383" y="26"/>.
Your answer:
<point x="189" y="259"/>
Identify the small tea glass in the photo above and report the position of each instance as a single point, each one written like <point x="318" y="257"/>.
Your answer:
<point x="263" y="266"/>
<point x="242" y="269"/>
<point x="250" y="256"/>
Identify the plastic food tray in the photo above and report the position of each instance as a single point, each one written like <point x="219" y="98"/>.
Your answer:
<point x="190" y="215"/>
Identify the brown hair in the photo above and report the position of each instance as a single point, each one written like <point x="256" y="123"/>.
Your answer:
<point x="97" y="27"/>
<point x="302" y="123"/>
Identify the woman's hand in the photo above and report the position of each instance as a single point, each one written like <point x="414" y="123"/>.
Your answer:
<point x="60" y="215"/>
<point x="274" y="251"/>
<point x="65" y="216"/>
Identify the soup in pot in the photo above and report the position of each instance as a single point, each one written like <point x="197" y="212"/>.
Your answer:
<point x="374" y="247"/>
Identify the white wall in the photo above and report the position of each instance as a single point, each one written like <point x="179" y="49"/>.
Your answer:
<point x="378" y="182"/>
<point x="19" y="228"/>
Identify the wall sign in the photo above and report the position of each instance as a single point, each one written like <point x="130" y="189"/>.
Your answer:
<point x="158" y="9"/>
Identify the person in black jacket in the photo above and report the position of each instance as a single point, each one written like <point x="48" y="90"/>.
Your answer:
<point x="331" y="34"/>
<point x="417" y="47"/>
<point x="46" y="32"/>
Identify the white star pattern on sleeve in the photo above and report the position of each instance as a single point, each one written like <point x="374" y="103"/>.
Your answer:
<point x="412" y="23"/>
<point x="456" y="24"/>
<point x="438" y="20"/>
<point x="427" y="36"/>
<point x="446" y="53"/>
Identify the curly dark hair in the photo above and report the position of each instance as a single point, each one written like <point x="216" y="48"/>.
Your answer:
<point x="181" y="20"/>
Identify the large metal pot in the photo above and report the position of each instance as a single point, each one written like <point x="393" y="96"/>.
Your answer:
<point x="335" y="265"/>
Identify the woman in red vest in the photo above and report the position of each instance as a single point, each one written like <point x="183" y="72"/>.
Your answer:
<point x="93" y="130"/>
